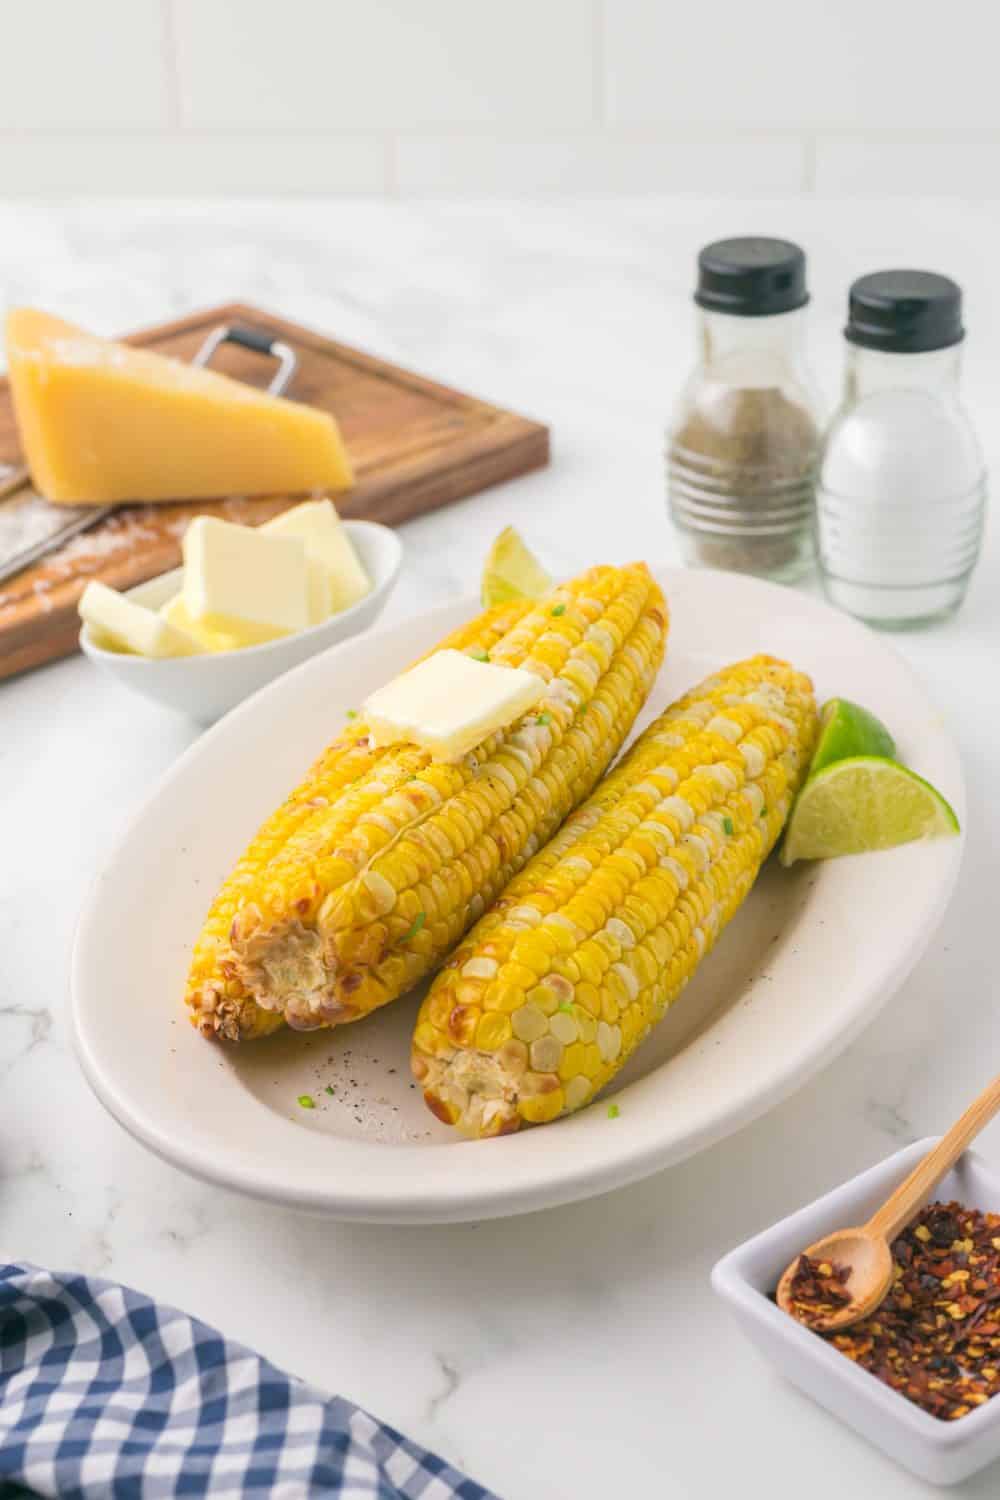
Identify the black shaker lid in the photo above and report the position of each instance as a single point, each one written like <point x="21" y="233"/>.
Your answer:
<point x="905" y="312"/>
<point x="751" y="277"/>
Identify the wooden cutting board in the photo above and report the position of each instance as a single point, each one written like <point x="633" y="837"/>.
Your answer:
<point x="415" y="445"/>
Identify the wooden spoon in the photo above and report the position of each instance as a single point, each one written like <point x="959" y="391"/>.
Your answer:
<point x="866" y="1250"/>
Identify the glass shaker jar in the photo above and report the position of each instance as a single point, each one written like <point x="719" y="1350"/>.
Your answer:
<point x="743" y="443"/>
<point x="902" y="490"/>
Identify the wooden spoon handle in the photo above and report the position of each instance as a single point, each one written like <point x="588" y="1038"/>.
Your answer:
<point x="898" y="1210"/>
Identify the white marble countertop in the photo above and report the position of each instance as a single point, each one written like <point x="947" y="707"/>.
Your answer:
<point x="579" y="1352"/>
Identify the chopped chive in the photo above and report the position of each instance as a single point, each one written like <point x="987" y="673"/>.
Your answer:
<point x="352" y="713"/>
<point x="306" y="1101"/>
<point x="613" y="1111"/>
<point x="418" y="922"/>
<point x="545" y="718"/>
<point x="329" y="1089"/>
<point x="567" y="1006"/>
<point x="480" y="655"/>
<point x="727" y="824"/>
<point x="560" y="609"/>
<point x="763" y="811"/>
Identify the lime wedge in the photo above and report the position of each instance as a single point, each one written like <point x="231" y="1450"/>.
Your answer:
<point x="864" y="803"/>
<point x="846" y="729"/>
<point x="512" y="572"/>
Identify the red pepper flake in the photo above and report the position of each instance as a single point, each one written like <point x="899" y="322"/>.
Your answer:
<point x="936" y="1337"/>
<point x="819" y="1288"/>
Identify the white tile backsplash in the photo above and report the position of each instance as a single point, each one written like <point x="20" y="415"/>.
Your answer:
<point x="383" y="64"/>
<point x="83" y="63"/>
<point x="463" y="98"/>
<point x="873" y="64"/>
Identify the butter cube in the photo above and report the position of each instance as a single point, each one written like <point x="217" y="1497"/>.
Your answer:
<point x="119" y="624"/>
<point x="327" y="542"/>
<point x="175" y="612"/>
<point x="449" y="703"/>
<point x="320" y="594"/>
<point x="242" y="582"/>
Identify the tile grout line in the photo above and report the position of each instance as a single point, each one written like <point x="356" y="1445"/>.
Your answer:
<point x="673" y="133"/>
<point x="168" y="35"/>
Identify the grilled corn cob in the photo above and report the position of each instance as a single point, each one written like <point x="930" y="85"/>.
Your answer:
<point x="219" y="1003"/>
<point x="371" y="891"/>
<point x="551" y="991"/>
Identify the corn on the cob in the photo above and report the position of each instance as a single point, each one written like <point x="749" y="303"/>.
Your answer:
<point x="219" y="1003"/>
<point x="370" y="892"/>
<point x="552" y="990"/>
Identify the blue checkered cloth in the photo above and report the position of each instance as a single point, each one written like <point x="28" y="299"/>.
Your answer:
<point x="107" y="1395"/>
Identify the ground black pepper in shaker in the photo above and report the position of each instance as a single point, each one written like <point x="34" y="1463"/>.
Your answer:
<point x="743" y="445"/>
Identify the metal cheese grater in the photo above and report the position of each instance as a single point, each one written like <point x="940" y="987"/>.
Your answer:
<point x="31" y="527"/>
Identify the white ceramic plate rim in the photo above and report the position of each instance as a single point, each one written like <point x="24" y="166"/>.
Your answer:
<point x="517" y="1173"/>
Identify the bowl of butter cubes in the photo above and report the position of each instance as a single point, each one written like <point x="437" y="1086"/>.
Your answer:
<point x="248" y="603"/>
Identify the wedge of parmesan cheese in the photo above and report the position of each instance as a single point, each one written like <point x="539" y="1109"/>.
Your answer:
<point x="102" y="422"/>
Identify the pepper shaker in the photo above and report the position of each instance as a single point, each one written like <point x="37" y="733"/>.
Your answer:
<point x="743" y="444"/>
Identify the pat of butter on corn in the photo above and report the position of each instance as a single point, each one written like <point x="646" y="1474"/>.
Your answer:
<point x="450" y="703"/>
<point x="244" y="583"/>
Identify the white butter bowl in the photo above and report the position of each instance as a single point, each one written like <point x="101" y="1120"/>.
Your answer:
<point x="942" y="1452"/>
<point x="206" y="686"/>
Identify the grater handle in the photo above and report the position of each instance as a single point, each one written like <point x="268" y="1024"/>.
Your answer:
<point x="259" y="343"/>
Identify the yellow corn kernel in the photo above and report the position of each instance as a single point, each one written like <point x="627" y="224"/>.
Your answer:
<point x="576" y="1092"/>
<point x="440" y="1007"/>
<point x="529" y="1023"/>
<point x="518" y="975"/>
<point x="586" y="1025"/>
<point x="427" y="1038"/>
<point x="545" y="998"/>
<point x="492" y="1031"/>
<point x="573" y="1060"/>
<point x="537" y="1109"/>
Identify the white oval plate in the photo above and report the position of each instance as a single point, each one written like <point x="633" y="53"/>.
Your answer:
<point x="811" y="957"/>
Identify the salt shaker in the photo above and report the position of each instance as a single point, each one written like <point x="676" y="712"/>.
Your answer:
<point x="743" y="443"/>
<point x="902" y="491"/>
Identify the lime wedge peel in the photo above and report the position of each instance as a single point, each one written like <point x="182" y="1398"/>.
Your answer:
<point x="511" y="571"/>
<point x="861" y="804"/>
<point x="847" y="730"/>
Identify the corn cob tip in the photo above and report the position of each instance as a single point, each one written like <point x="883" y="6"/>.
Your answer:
<point x="228" y="1018"/>
<point x="473" y="1092"/>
